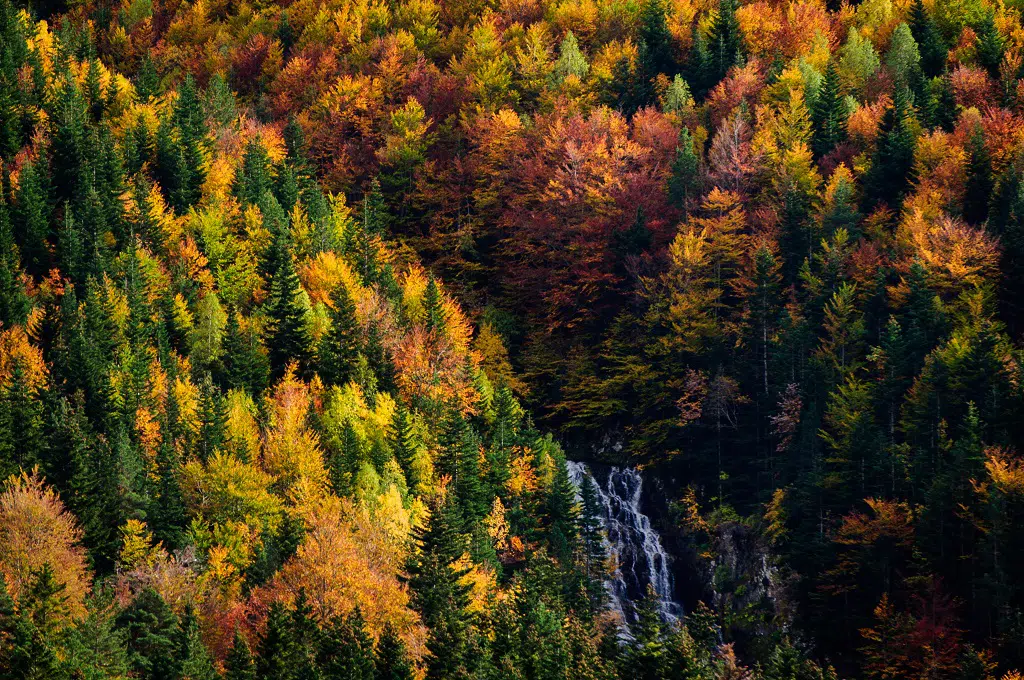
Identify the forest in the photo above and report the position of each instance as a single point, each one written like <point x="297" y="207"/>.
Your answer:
<point x="306" y="306"/>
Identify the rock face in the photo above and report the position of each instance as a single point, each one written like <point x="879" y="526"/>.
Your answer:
<point x="635" y="548"/>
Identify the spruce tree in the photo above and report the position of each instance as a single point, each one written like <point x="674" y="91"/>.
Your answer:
<point x="14" y="303"/>
<point x="347" y="651"/>
<point x="288" y="338"/>
<point x="24" y="652"/>
<point x="254" y="178"/>
<point x="240" y="665"/>
<point x="438" y="593"/>
<point x="278" y="649"/>
<point x="893" y="161"/>
<point x="392" y="660"/>
<point x="591" y="528"/>
<point x="30" y="219"/>
<point x="684" y="183"/>
<point x="979" y="179"/>
<point x="338" y="353"/>
<point x="929" y="40"/>
<point x="828" y="114"/>
<point x="647" y="657"/>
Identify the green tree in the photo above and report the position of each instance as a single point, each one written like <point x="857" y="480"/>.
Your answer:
<point x="288" y="339"/>
<point x="152" y="630"/>
<point x="990" y="45"/>
<point x="338" y="353"/>
<point x="828" y="114"/>
<point x="194" y="659"/>
<point x="684" y="183"/>
<point x="240" y="665"/>
<point x="893" y="161"/>
<point x="979" y="179"/>
<point x="347" y="651"/>
<point x="929" y="40"/>
<point x="392" y="660"/>
<point x="278" y="648"/>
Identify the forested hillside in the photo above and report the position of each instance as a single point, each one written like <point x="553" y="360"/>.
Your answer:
<point x="301" y="304"/>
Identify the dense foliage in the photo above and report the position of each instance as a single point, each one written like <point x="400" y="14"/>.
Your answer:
<point x="280" y="282"/>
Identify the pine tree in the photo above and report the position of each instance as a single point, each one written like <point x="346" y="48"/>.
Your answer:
<point x="347" y="651"/>
<point x="828" y="114"/>
<point x="152" y="629"/>
<point x="893" y="161"/>
<point x="240" y="665"/>
<point x="338" y="353"/>
<point x="288" y="338"/>
<point x="684" y="183"/>
<point x="278" y="649"/>
<point x="979" y="179"/>
<point x="194" y="659"/>
<point x="438" y="593"/>
<point x="433" y="312"/>
<point x="990" y="46"/>
<point x="392" y="661"/>
<point x="929" y="40"/>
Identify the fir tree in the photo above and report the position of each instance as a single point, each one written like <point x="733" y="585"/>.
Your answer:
<point x="929" y="40"/>
<point x="828" y="114"/>
<point x="338" y="353"/>
<point x="246" y="363"/>
<point x="288" y="338"/>
<point x="725" y="44"/>
<point x="240" y="665"/>
<point x="192" y="655"/>
<point x="254" y="178"/>
<point x="438" y="593"/>
<point x="647" y="656"/>
<point x="151" y="629"/>
<point x="406" y="445"/>
<point x="392" y="661"/>
<point x="990" y="46"/>
<point x="684" y="183"/>
<point x="656" y="39"/>
<point x="892" y="163"/>
<point x="979" y="179"/>
<point x="433" y="312"/>
<point x="30" y="219"/>
<point x="278" y="649"/>
<point x="347" y="651"/>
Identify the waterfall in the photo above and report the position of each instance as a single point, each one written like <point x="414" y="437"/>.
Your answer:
<point x="634" y="547"/>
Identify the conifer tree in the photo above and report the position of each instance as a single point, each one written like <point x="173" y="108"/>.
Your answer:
<point x="152" y="630"/>
<point x="438" y="593"/>
<point x="246" y="363"/>
<point x="929" y="40"/>
<point x="14" y="304"/>
<point x="406" y="445"/>
<point x="24" y="652"/>
<point x="338" y="353"/>
<point x="30" y="219"/>
<point x="725" y="43"/>
<point x="979" y="179"/>
<point x="647" y="656"/>
<point x="278" y="649"/>
<point x="392" y="661"/>
<point x="828" y="114"/>
<point x="683" y="185"/>
<point x="254" y="177"/>
<point x="288" y="339"/>
<point x="347" y="651"/>
<point x="192" y="655"/>
<point x="433" y="313"/>
<point x="656" y="39"/>
<point x="239" y="665"/>
<point x="990" y="45"/>
<point x="892" y="163"/>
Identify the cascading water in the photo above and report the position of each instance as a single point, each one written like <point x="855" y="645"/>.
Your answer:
<point x="633" y="545"/>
